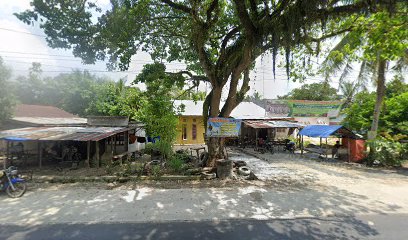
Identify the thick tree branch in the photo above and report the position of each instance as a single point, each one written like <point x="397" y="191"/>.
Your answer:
<point x="186" y="91"/>
<point x="228" y="37"/>
<point x="283" y="4"/>
<point x="330" y="35"/>
<point x="192" y="76"/>
<point x="210" y="10"/>
<point x="177" y="6"/>
<point x="244" y="18"/>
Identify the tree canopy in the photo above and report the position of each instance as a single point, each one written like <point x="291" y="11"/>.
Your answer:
<point x="7" y="100"/>
<point x="394" y="119"/>
<point x="218" y="40"/>
<point x="314" y="92"/>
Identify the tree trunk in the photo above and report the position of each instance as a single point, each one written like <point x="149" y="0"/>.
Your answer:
<point x="216" y="150"/>
<point x="379" y="100"/>
<point x="215" y="145"/>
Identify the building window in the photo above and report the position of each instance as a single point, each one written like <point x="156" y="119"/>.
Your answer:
<point x="194" y="120"/>
<point x="184" y="132"/>
<point x="184" y="120"/>
<point x="194" y="132"/>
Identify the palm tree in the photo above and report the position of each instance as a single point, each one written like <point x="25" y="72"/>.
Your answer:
<point x="373" y="43"/>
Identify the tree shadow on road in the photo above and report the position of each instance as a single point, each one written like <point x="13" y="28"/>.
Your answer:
<point x="303" y="228"/>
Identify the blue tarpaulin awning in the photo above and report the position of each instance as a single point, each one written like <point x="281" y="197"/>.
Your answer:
<point x="16" y="139"/>
<point x="325" y="131"/>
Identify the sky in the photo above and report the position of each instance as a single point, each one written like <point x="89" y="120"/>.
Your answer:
<point x="21" y="44"/>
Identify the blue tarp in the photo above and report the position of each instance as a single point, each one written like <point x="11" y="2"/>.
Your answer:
<point x="323" y="131"/>
<point x="17" y="139"/>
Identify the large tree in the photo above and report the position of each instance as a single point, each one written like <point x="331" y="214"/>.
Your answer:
<point x="7" y="100"/>
<point x="313" y="92"/>
<point x="375" y="42"/>
<point x="219" y="39"/>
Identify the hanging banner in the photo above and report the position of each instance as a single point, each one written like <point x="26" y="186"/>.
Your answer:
<point x="302" y="108"/>
<point x="223" y="127"/>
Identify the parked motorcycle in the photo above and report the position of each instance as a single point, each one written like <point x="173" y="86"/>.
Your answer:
<point x="11" y="183"/>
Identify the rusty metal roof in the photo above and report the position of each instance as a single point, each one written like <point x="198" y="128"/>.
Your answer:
<point x="273" y="124"/>
<point x="62" y="133"/>
<point x="258" y="124"/>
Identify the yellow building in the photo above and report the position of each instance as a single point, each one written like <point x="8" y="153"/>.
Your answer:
<point x="191" y="130"/>
<point x="191" y="123"/>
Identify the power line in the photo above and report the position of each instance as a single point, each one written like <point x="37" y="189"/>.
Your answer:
<point x="17" y="31"/>
<point x="79" y="60"/>
<point x="41" y="54"/>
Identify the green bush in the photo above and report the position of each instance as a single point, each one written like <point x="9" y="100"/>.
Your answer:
<point x="157" y="171"/>
<point x="149" y="147"/>
<point x="388" y="152"/>
<point x="175" y="163"/>
<point x="165" y="148"/>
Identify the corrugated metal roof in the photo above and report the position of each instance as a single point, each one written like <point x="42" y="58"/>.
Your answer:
<point x="285" y="124"/>
<point x="63" y="133"/>
<point x="258" y="124"/>
<point x="273" y="124"/>
<point x="245" y="110"/>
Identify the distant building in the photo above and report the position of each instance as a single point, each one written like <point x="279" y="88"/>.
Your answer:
<point x="191" y="122"/>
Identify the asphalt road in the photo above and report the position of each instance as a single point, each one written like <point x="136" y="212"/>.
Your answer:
<point x="388" y="227"/>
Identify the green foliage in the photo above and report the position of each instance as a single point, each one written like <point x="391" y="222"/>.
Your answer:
<point x="80" y="93"/>
<point x="221" y="39"/>
<point x="7" y="99"/>
<point x="394" y="119"/>
<point x="158" y="113"/>
<point x="359" y="114"/>
<point x="157" y="171"/>
<point x="388" y="152"/>
<point x="175" y="163"/>
<point x="149" y="148"/>
<point x="396" y="114"/>
<point x="314" y="91"/>
<point x="115" y="99"/>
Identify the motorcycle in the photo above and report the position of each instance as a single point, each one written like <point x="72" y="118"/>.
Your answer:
<point x="11" y="183"/>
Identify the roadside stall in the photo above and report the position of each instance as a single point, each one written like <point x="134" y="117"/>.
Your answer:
<point x="349" y="146"/>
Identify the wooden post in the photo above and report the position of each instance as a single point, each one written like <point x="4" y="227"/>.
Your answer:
<point x="111" y="145"/>
<point x="88" y="153"/>
<point x="256" y="139"/>
<point x="301" y="145"/>
<point x="114" y="144"/>
<point x="126" y="141"/>
<point x="97" y="154"/>
<point x="320" y="142"/>
<point x="40" y="154"/>
<point x="326" y="148"/>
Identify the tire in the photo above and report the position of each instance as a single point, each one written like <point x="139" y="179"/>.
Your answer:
<point x="204" y="158"/>
<point x="20" y="189"/>
<point x="244" y="171"/>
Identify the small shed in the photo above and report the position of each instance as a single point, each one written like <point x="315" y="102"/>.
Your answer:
<point x="351" y="142"/>
<point x="270" y="128"/>
<point x="65" y="143"/>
